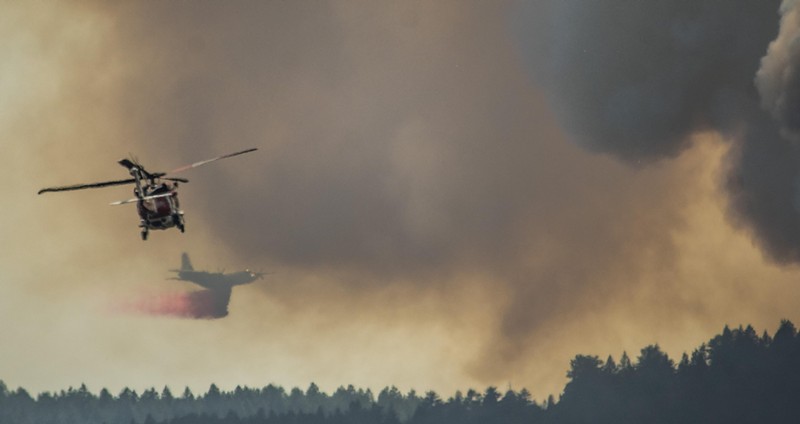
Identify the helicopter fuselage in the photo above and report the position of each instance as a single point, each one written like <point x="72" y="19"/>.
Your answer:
<point x="159" y="213"/>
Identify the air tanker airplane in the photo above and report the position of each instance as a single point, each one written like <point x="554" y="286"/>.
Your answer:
<point x="214" y="280"/>
<point x="213" y="301"/>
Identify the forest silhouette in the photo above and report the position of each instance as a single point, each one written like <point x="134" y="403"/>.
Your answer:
<point x="736" y="377"/>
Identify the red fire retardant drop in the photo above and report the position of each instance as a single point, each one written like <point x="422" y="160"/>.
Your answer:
<point x="203" y="304"/>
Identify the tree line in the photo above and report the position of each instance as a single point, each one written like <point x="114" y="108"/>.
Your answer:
<point x="736" y="377"/>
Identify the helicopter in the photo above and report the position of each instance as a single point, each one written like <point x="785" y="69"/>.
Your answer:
<point x="156" y="193"/>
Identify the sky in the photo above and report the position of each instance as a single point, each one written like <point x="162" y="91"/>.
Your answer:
<point x="448" y="195"/>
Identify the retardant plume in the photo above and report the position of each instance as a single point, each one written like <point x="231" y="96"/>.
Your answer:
<point x="200" y="304"/>
<point x="638" y="79"/>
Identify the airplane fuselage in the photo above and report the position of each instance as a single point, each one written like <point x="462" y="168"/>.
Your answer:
<point x="217" y="280"/>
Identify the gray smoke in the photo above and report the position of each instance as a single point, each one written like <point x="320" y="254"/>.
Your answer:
<point x="637" y="79"/>
<point x="777" y="80"/>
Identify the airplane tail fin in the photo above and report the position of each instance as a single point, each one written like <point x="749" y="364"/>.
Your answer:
<point x="186" y="264"/>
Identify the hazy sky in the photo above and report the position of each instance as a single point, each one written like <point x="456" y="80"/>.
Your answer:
<point x="449" y="194"/>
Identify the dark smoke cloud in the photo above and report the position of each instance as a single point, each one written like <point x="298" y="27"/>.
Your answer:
<point x="778" y="81"/>
<point x="635" y="79"/>
<point x="200" y="304"/>
<point x="763" y="186"/>
<point x="638" y="79"/>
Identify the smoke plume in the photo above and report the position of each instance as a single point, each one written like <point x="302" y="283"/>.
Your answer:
<point x="638" y="79"/>
<point x="431" y="224"/>
<point x="777" y="80"/>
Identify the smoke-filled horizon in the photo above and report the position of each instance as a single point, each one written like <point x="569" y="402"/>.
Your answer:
<point x="427" y="192"/>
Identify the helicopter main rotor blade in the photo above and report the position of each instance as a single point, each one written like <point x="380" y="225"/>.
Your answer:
<point x="203" y="162"/>
<point x="90" y="185"/>
<point x="177" y="180"/>
<point x="130" y="164"/>
<point x="136" y="199"/>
